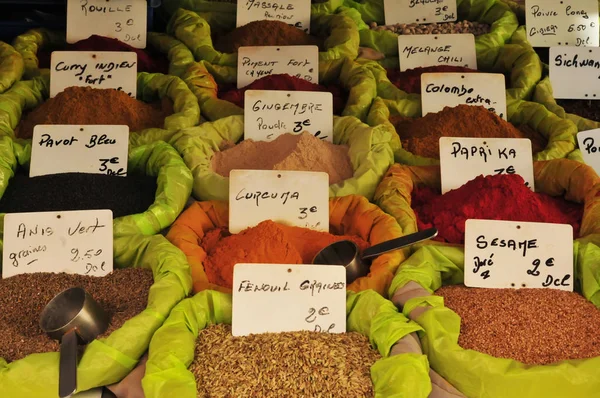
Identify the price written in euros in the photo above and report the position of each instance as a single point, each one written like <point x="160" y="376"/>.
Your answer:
<point x="88" y="256"/>
<point x="317" y="315"/>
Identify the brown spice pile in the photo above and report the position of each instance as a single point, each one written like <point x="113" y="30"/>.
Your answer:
<point x="86" y="105"/>
<point x="303" y="152"/>
<point x="533" y="326"/>
<point x="122" y="294"/>
<point x="421" y="136"/>
<point x="303" y="364"/>
<point x="476" y="28"/>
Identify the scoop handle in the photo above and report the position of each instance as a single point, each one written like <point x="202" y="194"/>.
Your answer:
<point x="398" y="243"/>
<point x="67" y="378"/>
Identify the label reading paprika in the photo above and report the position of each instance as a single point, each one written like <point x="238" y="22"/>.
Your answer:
<point x="562" y="23"/>
<point x="271" y="113"/>
<point x="257" y="62"/>
<point x="75" y="242"/>
<point x="295" y="13"/>
<point x="273" y="298"/>
<point x="296" y="198"/>
<point x="419" y="11"/>
<point x="514" y="254"/>
<point x="96" y="69"/>
<point x="420" y="51"/>
<point x="589" y="144"/>
<point x="439" y="90"/>
<point x="463" y="159"/>
<point x="125" y="20"/>
<point x="92" y="149"/>
<point x="566" y="63"/>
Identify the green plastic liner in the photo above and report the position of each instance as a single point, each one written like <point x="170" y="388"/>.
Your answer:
<point x="11" y="66"/>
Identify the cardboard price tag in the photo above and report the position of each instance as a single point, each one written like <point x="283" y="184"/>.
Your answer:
<point x="463" y="159"/>
<point x="76" y="242"/>
<point x="93" y="149"/>
<point x="562" y="23"/>
<point x="293" y="12"/>
<point x="297" y="198"/>
<point x="257" y="62"/>
<point x="419" y="11"/>
<point x="420" y="51"/>
<point x="512" y="254"/>
<point x="575" y="72"/>
<point x="288" y="298"/>
<point x="271" y="113"/>
<point x="589" y="144"/>
<point x="125" y="20"/>
<point x="97" y="69"/>
<point x="439" y="90"/>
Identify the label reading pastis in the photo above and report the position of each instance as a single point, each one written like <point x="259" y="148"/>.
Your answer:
<point x="419" y="11"/>
<point x="575" y="72"/>
<point x="440" y="90"/>
<point x="421" y="51"/>
<point x="296" y="198"/>
<point x="589" y="145"/>
<point x="295" y="13"/>
<point x="514" y="254"/>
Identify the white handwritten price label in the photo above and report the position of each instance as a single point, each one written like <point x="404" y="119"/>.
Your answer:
<point x="93" y="149"/>
<point x="75" y="242"/>
<point x="575" y="72"/>
<point x="589" y="144"/>
<point x="514" y="254"/>
<point x="419" y="11"/>
<point x="271" y="113"/>
<point x="257" y="62"/>
<point x="295" y="13"/>
<point x="297" y="198"/>
<point x="463" y="159"/>
<point x="440" y="90"/>
<point x="562" y="23"/>
<point x="420" y="51"/>
<point x="125" y="20"/>
<point x="288" y="298"/>
<point x="97" y="69"/>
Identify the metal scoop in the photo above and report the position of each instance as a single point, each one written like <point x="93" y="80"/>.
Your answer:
<point x="346" y="253"/>
<point x="73" y="317"/>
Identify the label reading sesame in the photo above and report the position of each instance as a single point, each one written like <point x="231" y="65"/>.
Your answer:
<point x="288" y="298"/>
<point x="582" y="62"/>
<point x="420" y="51"/>
<point x="295" y="13"/>
<point x="514" y="254"/>
<point x="419" y="11"/>
<point x="439" y="90"/>
<point x="589" y="144"/>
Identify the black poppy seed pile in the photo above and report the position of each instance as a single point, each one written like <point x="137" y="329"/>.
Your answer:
<point x="79" y="191"/>
<point x="588" y="109"/>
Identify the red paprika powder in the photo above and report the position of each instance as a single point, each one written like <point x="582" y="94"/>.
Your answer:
<point x="409" y="81"/>
<point x="497" y="197"/>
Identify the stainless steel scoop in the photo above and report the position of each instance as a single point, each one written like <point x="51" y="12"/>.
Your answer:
<point x="346" y="253"/>
<point x="73" y="317"/>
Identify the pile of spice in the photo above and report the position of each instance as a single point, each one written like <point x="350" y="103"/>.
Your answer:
<point x="303" y="364"/>
<point x="421" y="136"/>
<point x="476" y="28"/>
<point x="86" y="105"/>
<point x="268" y="242"/>
<point x="23" y="297"/>
<point x="264" y="33"/>
<point x="302" y="152"/>
<point x="588" y="109"/>
<point x="287" y="83"/>
<point x="147" y="60"/>
<point x="409" y="81"/>
<point x="533" y="326"/>
<point x="498" y="197"/>
<point x="127" y="195"/>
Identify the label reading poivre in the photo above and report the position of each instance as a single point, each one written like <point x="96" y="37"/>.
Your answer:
<point x="562" y="23"/>
<point x="589" y="145"/>
<point x="257" y="62"/>
<point x="463" y="159"/>
<point x="421" y="51"/>
<point x="514" y="254"/>
<point x="75" y="242"/>
<point x="270" y="113"/>
<point x="295" y="13"/>
<point x="419" y="11"/>
<point x="97" y="69"/>
<point x="288" y="298"/>
<point x="296" y="198"/>
<point x="125" y="20"/>
<point x="92" y="149"/>
<point x="439" y="90"/>
<point x="575" y="72"/>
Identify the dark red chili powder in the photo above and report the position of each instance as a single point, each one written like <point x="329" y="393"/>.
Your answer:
<point x="410" y="80"/>
<point x="285" y="82"/>
<point x="497" y="197"/>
